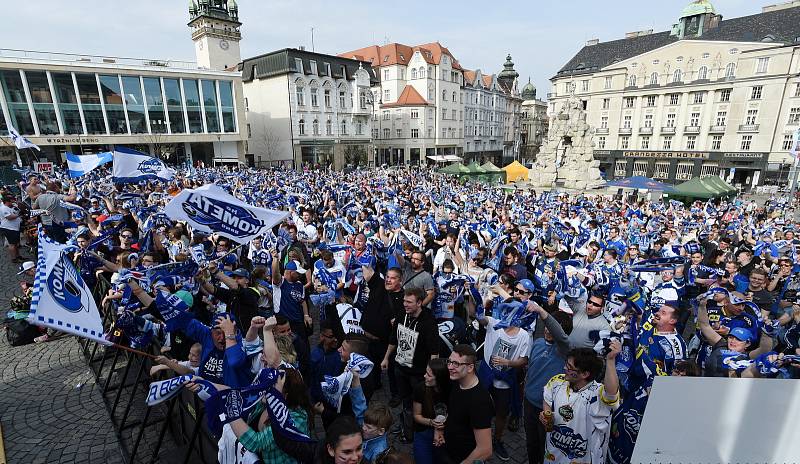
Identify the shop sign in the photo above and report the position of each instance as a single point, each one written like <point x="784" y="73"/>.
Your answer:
<point x="745" y="155"/>
<point x="666" y="154"/>
<point x="43" y="167"/>
<point x="71" y="140"/>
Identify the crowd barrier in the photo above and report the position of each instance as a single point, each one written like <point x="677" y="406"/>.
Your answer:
<point x="172" y="432"/>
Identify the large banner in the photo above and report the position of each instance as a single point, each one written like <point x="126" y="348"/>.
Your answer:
<point x="61" y="300"/>
<point x="84" y="164"/>
<point x="132" y="166"/>
<point x="211" y="209"/>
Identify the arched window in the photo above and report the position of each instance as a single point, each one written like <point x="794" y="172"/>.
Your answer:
<point x="430" y="93"/>
<point x="302" y="125"/>
<point x="730" y="71"/>
<point x="359" y="128"/>
<point x="632" y="81"/>
<point x="654" y="78"/>
<point x="328" y="127"/>
<point x="314" y="97"/>
<point x="454" y="96"/>
<point x="444" y="95"/>
<point x="344" y="127"/>
<point x="677" y="76"/>
<point x="702" y="73"/>
<point x="315" y="127"/>
<point x="413" y="73"/>
<point x="422" y="72"/>
<point x="301" y="95"/>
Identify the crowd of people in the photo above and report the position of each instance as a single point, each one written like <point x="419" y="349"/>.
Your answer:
<point x="474" y="309"/>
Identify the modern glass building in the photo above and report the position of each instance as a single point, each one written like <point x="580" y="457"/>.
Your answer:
<point x="88" y="104"/>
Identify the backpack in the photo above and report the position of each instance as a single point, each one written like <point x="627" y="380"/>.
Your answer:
<point x="19" y="332"/>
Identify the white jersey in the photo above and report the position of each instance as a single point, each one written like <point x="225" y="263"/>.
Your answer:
<point x="501" y="344"/>
<point x="581" y="422"/>
<point x="231" y="451"/>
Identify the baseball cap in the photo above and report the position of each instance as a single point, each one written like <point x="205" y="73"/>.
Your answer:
<point x="186" y="297"/>
<point x="736" y="299"/>
<point x="295" y="266"/>
<point x="742" y="334"/>
<point x="27" y="265"/>
<point x="527" y="285"/>
<point x="241" y="272"/>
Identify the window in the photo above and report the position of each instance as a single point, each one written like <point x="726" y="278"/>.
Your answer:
<point x="444" y="95"/>
<point x="413" y="73"/>
<point x="640" y="168"/>
<point x="716" y="142"/>
<point x="414" y="133"/>
<point x="585" y="86"/>
<point x="343" y="127"/>
<point x="694" y="120"/>
<point x="326" y="95"/>
<point x="755" y="94"/>
<point x="375" y="133"/>
<point x="302" y="126"/>
<point x="709" y="169"/>
<point x="730" y="71"/>
<point x="386" y="74"/>
<point x="387" y="95"/>
<point x="246" y="105"/>
<point x="661" y="170"/>
<point x="654" y="78"/>
<point x="399" y="133"/>
<point x="752" y="115"/>
<point x="249" y="131"/>
<point x="787" y="141"/>
<point x="298" y="65"/>
<point x="608" y="82"/>
<point x="402" y="74"/>
<point x="677" y="76"/>
<point x="725" y="95"/>
<point x="624" y="142"/>
<point x="314" y="98"/>
<point x="632" y="81"/>
<point x="645" y="143"/>
<point x="386" y="133"/>
<point x="414" y="114"/>
<point x="328" y="127"/>
<point x="651" y="100"/>
<point x="702" y="73"/>
<point x="763" y="64"/>
<point x="684" y="171"/>
<point x="444" y="113"/>
<point x="601" y="143"/>
<point x="313" y="67"/>
<point x="454" y="97"/>
<point x="620" y="166"/>
<point x="315" y="126"/>
<point x="797" y="90"/>
<point x="301" y="96"/>
<point x="629" y="102"/>
<point x="342" y="99"/>
<point x="362" y="99"/>
<point x="691" y="140"/>
<point x="667" y="143"/>
<point x="648" y="120"/>
<point x="385" y="115"/>
<point x="794" y="116"/>
<point x="604" y="122"/>
<point x="721" y="118"/>
<point x="746" y="141"/>
<point x="626" y="122"/>
<point x="698" y="97"/>
<point x="674" y="99"/>
<point x="328" y="69"/>
<point x="671" y="120"/>
<point x="606" y="103"/>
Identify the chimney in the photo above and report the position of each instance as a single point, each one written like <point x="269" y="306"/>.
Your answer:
<point x="591" y="42"/>
<point x="302" y="48"/>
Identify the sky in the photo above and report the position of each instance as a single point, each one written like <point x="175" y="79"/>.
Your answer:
<point x="540" y="35"/>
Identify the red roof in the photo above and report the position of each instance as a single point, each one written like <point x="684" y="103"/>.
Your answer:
<point x="395" y="53"/>
<point x="409" y="97"/>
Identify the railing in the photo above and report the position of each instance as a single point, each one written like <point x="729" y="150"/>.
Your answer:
<point x="716" y="129"/>
<point x="601" y="130"/>
<point x="668" y="130"/>
<point x="33" y="55"/>
<point x="143" y="431"/>
<point x="625" y="130"/>
<point x="691" y="130"/>
<point x="646" y="130"/>
<point x="748" y="128"/>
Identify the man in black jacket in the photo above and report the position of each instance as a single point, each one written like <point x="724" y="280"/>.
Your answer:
<point x="240" y="299"/>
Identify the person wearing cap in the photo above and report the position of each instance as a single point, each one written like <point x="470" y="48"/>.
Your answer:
<point x="588" y="320"/>
<point x="240" y="299"/>
<point x="10" y="222"/>
<point x="289" y="296"/>
<point x="50" y="201"/>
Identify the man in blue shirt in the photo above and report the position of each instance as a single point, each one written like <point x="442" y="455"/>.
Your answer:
<point x="547" y="357"/>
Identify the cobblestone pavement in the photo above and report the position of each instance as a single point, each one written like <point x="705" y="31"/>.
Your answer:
<point x="50" y="407"/>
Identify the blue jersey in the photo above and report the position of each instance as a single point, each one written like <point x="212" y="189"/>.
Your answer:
<point x="288" y="299"/>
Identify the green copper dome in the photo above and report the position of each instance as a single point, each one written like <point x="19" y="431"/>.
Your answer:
<point x="698" y="7"/>
<point x="529" y="91"/>
<point x="508" y="71"/>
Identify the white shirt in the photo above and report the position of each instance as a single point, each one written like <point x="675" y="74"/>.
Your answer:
<point x="581" y="422"/>
<point x="499" y="343"/>
<point x="9" y="224"/>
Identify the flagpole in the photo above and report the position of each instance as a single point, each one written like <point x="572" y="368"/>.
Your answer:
<point x="135" y="351"/>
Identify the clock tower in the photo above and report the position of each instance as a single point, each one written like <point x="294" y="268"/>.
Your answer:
<point x="215" y="32"/>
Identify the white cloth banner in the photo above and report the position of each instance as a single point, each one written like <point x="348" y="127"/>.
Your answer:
<point x="211" y="209"/>
<point x="80" y="165"/>
<point x="132" y="166"/>
<point x="61" y="299"/>
<point x="19" y="141"/>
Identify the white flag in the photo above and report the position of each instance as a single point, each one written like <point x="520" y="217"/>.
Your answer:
<point x="211" y="209"/>
<point x="19" y="141"/>
<point x="83" y="164"/>
<point x="133" y="166"/>
<point x="61" y="300"/>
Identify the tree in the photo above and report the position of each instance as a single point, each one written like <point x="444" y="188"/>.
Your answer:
<point x="162" y="147"/>
<point x="355" y="155"/>
<point x="266" y="142"/>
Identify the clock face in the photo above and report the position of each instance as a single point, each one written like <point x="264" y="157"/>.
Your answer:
<point x="223" y="44"/>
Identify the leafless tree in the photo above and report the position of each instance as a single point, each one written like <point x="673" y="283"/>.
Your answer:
<point x="162" y="147"/>
<point x="266" y="142"/>
<point x="355" y="155"/>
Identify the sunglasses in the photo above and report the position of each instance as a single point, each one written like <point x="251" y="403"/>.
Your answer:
<point x="126" y="236"/>
<point x="522" y="290"/>
<point x="594" y="303"/>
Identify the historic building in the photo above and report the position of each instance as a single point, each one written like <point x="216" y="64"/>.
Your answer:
<point x="710" y="96"/>
<point x="533" y="123"/>
<point x="306" y="108"/>
<point x="88" y="104"/>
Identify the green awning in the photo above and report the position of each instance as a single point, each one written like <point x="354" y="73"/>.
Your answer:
<point x="706" y="187"/>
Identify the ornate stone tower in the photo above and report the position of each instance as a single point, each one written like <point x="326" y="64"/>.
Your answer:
<point x="508" y="75"/>
<point x="215" y="32"/>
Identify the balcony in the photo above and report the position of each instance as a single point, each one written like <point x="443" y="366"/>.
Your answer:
<point x="668" y="130"/>
<point x="645" y="131"/>
<point x="601" y="131"/>
<point x="625" y="130"/>
<point x="716" y="129"/>
<point x="748" y="128"/>
<point x="551" y="95"/>
<point x="691" y="130"/>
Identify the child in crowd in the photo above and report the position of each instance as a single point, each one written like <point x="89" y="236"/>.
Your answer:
<point x="189" y="366"/>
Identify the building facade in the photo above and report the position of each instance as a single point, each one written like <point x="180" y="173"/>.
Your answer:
<point x="304" y="108"/>
<point x="533" y="124"/>
<point x="709" y="97"/>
